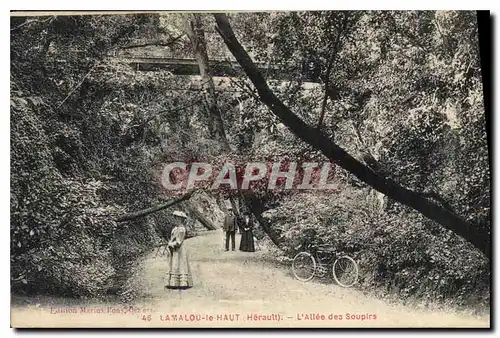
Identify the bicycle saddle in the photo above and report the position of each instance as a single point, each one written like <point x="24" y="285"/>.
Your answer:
<point x="325" y="248"/>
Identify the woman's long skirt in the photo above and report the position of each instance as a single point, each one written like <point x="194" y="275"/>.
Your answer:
<point x="178" y="272"/>
<point x="247" y="243"/>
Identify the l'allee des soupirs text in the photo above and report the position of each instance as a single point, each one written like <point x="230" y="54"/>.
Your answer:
<point x="335" y="316"/>
<point x="217" y="317"/>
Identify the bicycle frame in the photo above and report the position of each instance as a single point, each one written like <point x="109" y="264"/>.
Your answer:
<point x="318" y="253"/>
<point x="325" y="261"/>
<point x="328" y="261"/>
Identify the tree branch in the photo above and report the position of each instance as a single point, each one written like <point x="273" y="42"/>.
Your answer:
<point x="160" y="43"/>
<point x="27" y="22"/>
<point x="328" y="71"/>
<point x="161" y="112"/>
<point x="325" y="96"/>
<point x="77" y="86"/>
<point x="145" y="212"/>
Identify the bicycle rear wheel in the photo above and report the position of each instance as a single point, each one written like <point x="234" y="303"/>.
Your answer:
<point x="345" y="271"/>
<point x="304" y="266"/>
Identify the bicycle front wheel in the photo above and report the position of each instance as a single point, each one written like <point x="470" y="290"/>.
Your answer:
<point x="345" y="271"/>
<point x="304" y="266"/>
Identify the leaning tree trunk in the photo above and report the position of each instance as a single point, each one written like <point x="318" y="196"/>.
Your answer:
<point x="141" y="213"/>
<point x="476" y="236"/>
<point x="195" y="32"/>
<point x="199" y="216"/>
<point x="257" y="208"/>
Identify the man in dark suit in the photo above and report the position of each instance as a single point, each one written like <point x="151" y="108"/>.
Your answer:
<point x="230" y="227"/>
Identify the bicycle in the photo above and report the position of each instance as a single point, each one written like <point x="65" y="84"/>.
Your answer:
<point x="344" y="268"/>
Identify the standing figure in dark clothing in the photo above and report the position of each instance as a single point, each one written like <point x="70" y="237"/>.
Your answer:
<point x="230" y="227"/>
<point x="246" y="229"/>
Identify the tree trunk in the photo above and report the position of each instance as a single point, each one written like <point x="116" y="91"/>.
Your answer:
<point x="202" y="219"/>
<point x="476" y="236"/>
<point x="194" y="30"/>
<point x="329" y="67"/>
<point x="257" y="208"/>
<point x="145" y="212"/>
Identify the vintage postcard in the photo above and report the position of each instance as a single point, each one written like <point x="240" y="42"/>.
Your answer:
<point x="318" y="169"/>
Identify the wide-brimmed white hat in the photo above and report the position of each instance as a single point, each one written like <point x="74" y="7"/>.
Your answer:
<point x="179" y="214"/>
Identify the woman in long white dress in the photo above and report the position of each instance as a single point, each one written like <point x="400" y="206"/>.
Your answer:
<point x="178" y="270"/>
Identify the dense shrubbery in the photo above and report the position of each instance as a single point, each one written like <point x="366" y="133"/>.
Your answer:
<point x="77" y="159"/>
<point x="89" y="137"/>
<point x="398" y="251"/>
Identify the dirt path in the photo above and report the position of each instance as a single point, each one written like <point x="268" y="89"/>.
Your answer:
<point x="238" y="289"/>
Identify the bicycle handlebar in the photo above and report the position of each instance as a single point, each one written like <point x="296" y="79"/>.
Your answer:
<point x="318" y="248"/>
